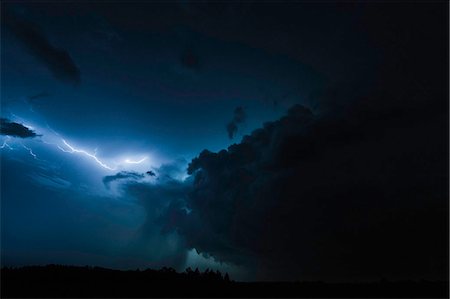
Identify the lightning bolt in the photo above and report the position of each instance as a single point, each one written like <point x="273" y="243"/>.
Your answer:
<point x="58" y="142"/>
<point x="92" y="156"/>
<point x="53" y="131"/>
<point x="6" y="145"/>
<point x="135" y="162"/>
<point x="30" y="151"/>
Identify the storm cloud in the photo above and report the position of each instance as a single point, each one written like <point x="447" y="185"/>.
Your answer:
<point x="350" y="185"/>
<point x="262" y="203"/>
<point x="15" y="129"/>
<point x="57" y="60"/>
<point x="164" y="202"/>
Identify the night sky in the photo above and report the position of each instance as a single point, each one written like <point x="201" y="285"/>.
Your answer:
<point x="289" y="141"/>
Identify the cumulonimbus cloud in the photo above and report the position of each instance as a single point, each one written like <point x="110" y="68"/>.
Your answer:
<point x="309" y="197"/>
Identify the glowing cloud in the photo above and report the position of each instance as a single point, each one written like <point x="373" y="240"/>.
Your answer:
<point x="129" y="161"/>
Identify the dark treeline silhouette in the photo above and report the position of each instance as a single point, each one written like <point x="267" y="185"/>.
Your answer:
<point x="70" y="281"/>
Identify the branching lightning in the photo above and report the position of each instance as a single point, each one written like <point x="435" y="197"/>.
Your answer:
<point x="6" y="145"/>
<point x="92" y="156"/>
<point x="53" y="138"/>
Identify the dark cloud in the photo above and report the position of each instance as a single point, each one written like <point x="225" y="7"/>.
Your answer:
<point x="356" y="193"/>
<point x="356" y="190"/>
<point x="57" y="60"/>
<point x="107" y="180"/>
<point x="239" y="117"/>
<point x="15" y="129"/>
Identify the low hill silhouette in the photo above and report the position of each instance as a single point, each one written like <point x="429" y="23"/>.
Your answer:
<point x="70" y="281"/>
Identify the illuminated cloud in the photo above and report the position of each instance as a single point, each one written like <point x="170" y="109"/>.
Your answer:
<point x="130" y="161"/>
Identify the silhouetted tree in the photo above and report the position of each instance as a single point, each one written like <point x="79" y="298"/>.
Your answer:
<point x="56" y="281"/>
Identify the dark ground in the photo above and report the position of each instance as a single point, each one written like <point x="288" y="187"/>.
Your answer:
<point x="65" y="281"/>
